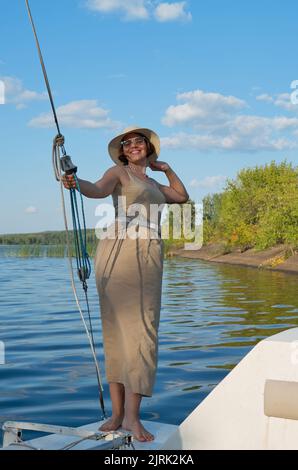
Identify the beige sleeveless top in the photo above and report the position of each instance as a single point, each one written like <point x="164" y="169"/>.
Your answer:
<point x="139" y="200"/>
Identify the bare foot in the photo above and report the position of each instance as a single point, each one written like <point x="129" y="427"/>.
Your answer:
<point x="138" y="430"/>
<point x="112" y="424"/>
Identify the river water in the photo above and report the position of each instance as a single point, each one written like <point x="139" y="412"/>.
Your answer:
<point x="212" y="315"/>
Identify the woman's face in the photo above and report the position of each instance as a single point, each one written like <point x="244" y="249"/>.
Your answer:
<point x="135" y="147"/>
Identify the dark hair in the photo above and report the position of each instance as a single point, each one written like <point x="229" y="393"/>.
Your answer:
<point x="150" y="148"/>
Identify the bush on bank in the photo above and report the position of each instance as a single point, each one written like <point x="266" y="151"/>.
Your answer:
<point x="259" y="209"/>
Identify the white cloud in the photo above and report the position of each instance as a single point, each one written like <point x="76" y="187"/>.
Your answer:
<point x="208" y="182"/>
<point x="31" y="210"/>
<point x="172" y="12"/>
<point x="202" y="108"/>
<point x="133" y="9"/>
<point x="218" y="123"/>
<point x="244" y="135"/>
<point x="142" y="9"/>
<point x="282" y="100"/>
<point x="16" y="93"/>
<point x="77" y="114"/>
<point x="265" y="97"/>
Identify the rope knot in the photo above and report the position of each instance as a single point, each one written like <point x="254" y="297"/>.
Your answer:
<point x="59" y="140"/>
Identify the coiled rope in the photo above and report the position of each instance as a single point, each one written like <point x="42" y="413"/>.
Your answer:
<point x="60" y="164"/>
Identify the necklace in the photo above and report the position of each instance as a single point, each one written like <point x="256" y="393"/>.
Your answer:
<point x="140" y="175"/>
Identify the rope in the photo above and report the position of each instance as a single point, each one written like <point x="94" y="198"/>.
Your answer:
<point x="80" y="241"/>
<point x="56" y="158"/>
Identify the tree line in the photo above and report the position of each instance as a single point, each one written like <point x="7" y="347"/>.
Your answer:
<point x="44" y="238"/>
<point x="259" y="209"/>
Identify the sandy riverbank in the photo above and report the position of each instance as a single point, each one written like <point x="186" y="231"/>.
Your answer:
<point x="275" y="259"/>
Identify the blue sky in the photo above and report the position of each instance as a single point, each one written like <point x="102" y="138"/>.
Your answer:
<point x="213" y="79"/>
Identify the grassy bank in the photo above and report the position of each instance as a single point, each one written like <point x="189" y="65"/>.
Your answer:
<point x="53" y="244"/>
<point x="53" y="238"/>
<point x="44" y="244"/>
<point x="39" y="251"/>
<point x="60" y="251"/>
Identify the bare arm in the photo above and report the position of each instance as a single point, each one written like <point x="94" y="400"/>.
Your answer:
<point x="176" y="192"/>
<point x="101" y="189"/>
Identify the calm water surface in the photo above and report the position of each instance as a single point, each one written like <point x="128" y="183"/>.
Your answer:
<point x="212" y="315"/>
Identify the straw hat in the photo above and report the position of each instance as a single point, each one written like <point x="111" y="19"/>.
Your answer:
<point x="115" y="144"/>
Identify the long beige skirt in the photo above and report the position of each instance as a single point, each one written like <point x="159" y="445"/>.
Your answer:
<point x="129" y="284"/>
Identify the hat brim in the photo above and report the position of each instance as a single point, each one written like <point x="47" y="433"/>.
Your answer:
<point x="115" y="144"/>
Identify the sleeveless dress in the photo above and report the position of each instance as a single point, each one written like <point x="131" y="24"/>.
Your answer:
<point x="128" y="273"/>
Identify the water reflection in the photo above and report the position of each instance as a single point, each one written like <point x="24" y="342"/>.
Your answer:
<point x="212" y="315"/>
<point x="224" y="312"/>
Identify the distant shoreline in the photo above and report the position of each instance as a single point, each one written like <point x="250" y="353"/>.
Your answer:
<point x="278" y="258"/>
<point x="272" y="259"/>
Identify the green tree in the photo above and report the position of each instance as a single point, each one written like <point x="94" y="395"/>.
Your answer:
<point x="258" y="209"/>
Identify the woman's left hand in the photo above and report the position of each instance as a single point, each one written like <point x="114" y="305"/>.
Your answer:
<point x="159" y="166"/>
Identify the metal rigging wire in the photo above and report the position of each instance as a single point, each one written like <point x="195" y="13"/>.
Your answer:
<point x="64" y="164"/>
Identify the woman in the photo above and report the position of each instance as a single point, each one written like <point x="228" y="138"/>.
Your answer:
<point x="129" y="272"/>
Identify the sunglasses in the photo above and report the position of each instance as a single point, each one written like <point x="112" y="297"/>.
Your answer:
<point x="136" y="140"/>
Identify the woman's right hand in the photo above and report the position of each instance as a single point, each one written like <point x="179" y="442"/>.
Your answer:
<point x="69" y="181"/>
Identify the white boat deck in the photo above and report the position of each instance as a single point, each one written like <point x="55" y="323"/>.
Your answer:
<point x="254" y="407"/>
<point x="162" y="433"/>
